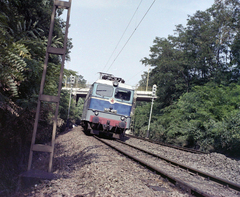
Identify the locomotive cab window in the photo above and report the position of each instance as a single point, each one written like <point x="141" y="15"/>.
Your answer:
<point x="104" y="90"/>
<point x="122" y="94"/>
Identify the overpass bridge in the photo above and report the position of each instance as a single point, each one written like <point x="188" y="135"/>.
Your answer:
<point x="140" y="95"/>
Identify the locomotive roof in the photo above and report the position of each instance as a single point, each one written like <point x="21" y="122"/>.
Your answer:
<point x="121" y="85"/>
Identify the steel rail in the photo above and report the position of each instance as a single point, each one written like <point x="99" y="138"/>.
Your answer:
<point x="191" y="190"/>
<point x="222" y="181"/>
<point x="168" y="145"/>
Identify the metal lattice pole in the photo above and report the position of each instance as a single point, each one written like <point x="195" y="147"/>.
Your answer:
<point x="49" y="98"/>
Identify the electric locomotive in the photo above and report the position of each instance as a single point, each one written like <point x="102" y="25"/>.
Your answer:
<point x="108" y="107"/>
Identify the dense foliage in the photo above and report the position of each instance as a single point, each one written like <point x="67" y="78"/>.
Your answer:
<point x="24" y="27"/>
<point x="197" y="72"/>
<point x="202" y="116"/>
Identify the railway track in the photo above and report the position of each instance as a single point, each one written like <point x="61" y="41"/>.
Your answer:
<point x="168" y="145"/>
<point x="195" y="182"/>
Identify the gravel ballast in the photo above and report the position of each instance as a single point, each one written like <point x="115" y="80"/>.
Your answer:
<point x="87" y="167"/>
<point x="213" y="163"/>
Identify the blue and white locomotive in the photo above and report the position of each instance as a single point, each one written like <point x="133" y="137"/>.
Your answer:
<point x="108" y="106"/>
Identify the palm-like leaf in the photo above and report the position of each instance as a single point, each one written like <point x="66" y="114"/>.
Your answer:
<point x="12" y="65"/>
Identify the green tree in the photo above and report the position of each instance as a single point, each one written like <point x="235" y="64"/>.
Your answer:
<point x="169" y="72"/>
<point x="144" y="81"/>
<point x="75" y="108"/>
<point x="141" y="117"/>
<point x="198" y="53"/>
<point x="24" y="27"/>
<point x="194" y="118"/>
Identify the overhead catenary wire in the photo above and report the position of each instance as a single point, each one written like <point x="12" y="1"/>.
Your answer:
<point x="131" y="34"/>
<point x="123" y="34"/>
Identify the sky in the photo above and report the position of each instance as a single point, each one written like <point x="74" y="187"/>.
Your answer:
<point x="104" y="40"/>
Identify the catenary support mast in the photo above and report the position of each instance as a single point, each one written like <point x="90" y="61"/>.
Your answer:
<point x="50" y="98"/>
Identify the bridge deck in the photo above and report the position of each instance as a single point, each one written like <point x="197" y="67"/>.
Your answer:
<point x="140" y="95"/>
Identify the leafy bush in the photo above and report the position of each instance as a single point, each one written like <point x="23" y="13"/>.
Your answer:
<point x="140" y="119"/>
<point x="227" y="134"/>
<point x="206" y="118"/>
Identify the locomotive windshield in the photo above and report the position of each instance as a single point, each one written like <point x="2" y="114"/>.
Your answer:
<point x="104" y="90"/>
<point x="122" y="94"/>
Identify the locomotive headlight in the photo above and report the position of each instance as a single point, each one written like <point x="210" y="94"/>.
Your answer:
<point x="95" y="112"/>
<point x="122" y="118"/>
